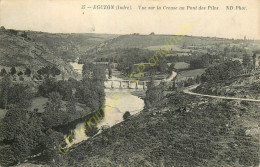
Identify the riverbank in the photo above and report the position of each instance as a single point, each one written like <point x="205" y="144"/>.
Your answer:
<point x="140" y="94"/>
<point x="164" y="136"/>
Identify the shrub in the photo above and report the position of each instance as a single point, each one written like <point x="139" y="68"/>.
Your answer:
<point x="20" y="73"/>
<point x="21" y="78"/>
<point x="126" y="115"/>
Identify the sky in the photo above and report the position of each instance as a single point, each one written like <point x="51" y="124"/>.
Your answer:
<point x="66" y="16"/>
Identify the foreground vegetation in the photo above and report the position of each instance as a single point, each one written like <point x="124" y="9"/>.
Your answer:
<point x="26" y="132"/>
<point x="210" y="134"/>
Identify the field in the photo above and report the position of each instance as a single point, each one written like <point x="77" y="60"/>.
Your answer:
<point x="192" y="73"/>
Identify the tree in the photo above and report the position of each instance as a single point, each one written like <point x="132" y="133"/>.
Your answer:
<point x="198" y="79"/>
<point x="13" y="70"/>
<point x="20" y="95"/>
<point x="71" y="105"/>
<point x="171" y="68"/>
<point x="5" y="84"/>
<point x="222" y="71"/>
<point x="51" y="153"/>
<point x="22" y="132"/>
<point x="54" y="102"/>
<point x="55" y="71"/>
<point x="254" y="61"/>
<point x="3" y="72"/>
<point x="153" y="93"/>
<point x="21" y="78"/>
<point x="64" y="88"/>
<point x="247" y="62"/>
<point x="93" y="90"/>
<point x="49" y="70"/>
<point x="27" y="72"/>
<point x="109" y="71"/>
<point x="126" y="115"/>
<point x="163" y="66"/>
<point x="20" y="73"/>
<point x="205" y="59"/>
<point x="174" y="85"/>
<point x="48" y="85"/>
<point x="196" y="64"/>
<point x="7" y="156"/>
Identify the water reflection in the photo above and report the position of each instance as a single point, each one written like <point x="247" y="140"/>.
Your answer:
<point x="113" y="113"/>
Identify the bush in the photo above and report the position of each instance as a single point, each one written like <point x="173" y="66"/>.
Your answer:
<point x="13" y="70"/>
<point x="222" y="71"/>
<point x="20" y="73"/>
<point x="21" y="78"/>
<point x="3" y="72"/>
<point x="27" y="72"/>
<point x="126" y="115"/>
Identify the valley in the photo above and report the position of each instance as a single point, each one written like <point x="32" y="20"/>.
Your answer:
<point x="87" y="100"/>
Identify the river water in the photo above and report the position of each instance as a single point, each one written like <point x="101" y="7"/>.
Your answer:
<point x="125" y="102"/>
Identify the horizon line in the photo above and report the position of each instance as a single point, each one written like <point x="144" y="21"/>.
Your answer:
<point x="135" y="33"/>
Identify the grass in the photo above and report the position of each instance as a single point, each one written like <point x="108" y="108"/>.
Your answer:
<point x="192" y="73"/>
<point x="39" y="102"/>
<point x="181" y="65"/>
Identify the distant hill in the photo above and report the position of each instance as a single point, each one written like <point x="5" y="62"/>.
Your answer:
<point x="114" y="46"/>
<point x="36" y="49"/>
<point x="147" y="41"/>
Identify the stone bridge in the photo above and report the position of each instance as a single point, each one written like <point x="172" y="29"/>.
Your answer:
<point x="125" y="84"/>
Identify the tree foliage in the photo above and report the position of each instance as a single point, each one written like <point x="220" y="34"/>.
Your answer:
<point x="20" y="95"/>
<point x="109" y="71"/>
<point x="247" y="62"/>
<point x="49" y="85"/>
<point x="49" y="70"/>
<point x="27" y="72"/>
<point x="54" y="102"/>
<point x="126" y="115"/>
<point x="5" y="84"/>
<point x="91" y="91"/>
<point x="14" y="94"/>
<point x="13" y="71"/>
<point x="3" y="72"/>
<point x="153" y="93"/>
<point x="222" y="71"/>
<point x="20" y="73"/>
<point x="21" y="132"/>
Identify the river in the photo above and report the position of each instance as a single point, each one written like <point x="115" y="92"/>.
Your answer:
<point x="126" y="102"/>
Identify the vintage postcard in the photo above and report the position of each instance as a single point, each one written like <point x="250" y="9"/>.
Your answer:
<point x="130" y="83"/>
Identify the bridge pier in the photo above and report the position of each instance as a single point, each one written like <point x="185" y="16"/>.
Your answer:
<point x="129" y="84"/>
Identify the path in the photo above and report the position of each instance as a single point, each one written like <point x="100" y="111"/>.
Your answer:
<point x="188" y="91"/>
<point x="170" y="78"/>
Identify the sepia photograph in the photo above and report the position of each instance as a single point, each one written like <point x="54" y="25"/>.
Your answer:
<point x="129" y="83"/>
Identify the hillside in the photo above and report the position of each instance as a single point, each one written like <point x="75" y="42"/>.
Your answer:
<point x="147" y="41"/>
<point x="36" y="49"/>
<point x="69" y="46"/>
<point x="210" y="133"/>
<point x="244" y="86"/>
